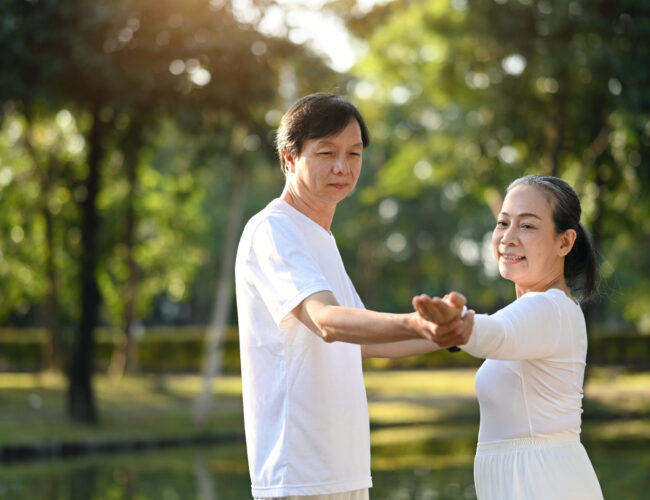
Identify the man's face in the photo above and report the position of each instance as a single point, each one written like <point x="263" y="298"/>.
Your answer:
<point x="327" y="168"/>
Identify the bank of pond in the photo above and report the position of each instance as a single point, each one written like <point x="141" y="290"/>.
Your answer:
<point x="416" y="468"/>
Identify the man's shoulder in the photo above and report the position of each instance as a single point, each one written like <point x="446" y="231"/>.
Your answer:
<point x="275" y="225"/>
<point x="274" y="216"/>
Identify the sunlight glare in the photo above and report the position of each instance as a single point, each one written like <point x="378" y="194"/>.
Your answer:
<point x="303" y="22"/>
<point x="514" y="64"/>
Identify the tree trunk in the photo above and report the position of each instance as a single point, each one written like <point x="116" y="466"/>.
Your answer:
<point x="81" y="402"/>
<point x="124" y="357"/>
<point x="223" y="297"/>
<point x="54" y="346"/>
<point x="206" y="485"/>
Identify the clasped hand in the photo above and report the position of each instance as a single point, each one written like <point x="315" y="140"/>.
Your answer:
<point x="448" y="327"/>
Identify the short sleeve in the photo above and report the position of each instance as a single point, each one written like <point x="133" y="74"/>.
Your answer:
<point x="282" y="269"/>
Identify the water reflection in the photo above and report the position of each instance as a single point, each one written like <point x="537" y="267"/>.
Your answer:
<point x="206" y="473"/>
<point x="422" y="470"/>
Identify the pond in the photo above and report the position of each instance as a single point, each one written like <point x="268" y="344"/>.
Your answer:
<point x="419" y="470"/>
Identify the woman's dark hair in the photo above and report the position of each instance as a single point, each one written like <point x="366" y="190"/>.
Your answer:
<point x="580" y="265"/>
<point x="314" y="116"/>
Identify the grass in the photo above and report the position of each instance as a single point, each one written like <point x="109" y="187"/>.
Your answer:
<point x="33" y="408"/>
<point x="424" y="403"/>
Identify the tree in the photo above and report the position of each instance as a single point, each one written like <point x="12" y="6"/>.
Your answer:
<point x="463" y="97"/>
<point x="121" y="67"/>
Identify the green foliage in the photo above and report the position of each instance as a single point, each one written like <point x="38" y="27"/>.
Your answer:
<point x="40" y="163"/>
<point x="183" y="93"/>
<point x="464" y="97"/>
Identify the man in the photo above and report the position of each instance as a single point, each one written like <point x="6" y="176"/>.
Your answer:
<point x="301" y="321"/>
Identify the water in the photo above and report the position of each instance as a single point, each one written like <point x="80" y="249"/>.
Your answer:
<point x="428" y="471"/>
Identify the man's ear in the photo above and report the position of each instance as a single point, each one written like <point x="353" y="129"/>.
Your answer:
<point x="567" y="240"/>
<point x="289" y="162"/>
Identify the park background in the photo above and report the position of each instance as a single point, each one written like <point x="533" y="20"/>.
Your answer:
<point x="136" y="138"/>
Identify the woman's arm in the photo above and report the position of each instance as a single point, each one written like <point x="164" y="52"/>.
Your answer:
<point x="528" y="328"/>
<point x="400" y="349"/>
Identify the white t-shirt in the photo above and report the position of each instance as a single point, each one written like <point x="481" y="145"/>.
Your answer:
<point x="305" y="407"/>
<point x="531" y="383"/>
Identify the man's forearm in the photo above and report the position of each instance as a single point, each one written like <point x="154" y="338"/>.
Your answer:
<point x="361" y="326"/>
<point x="322" y="314"/>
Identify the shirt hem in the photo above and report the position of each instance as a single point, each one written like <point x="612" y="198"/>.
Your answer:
<point x="311" y="489"/>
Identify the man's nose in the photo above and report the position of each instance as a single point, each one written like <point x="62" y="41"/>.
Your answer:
<point x="341" y="165"/>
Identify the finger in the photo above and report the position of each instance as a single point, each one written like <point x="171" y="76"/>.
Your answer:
<point x="446" y="312"/>
<point x="419" y="304"/>
<point x="419" y="300"/>
<point x="428" y="310"/>
<point x="468" y="326"/>
<point x="448" y="330"/>
<point x="457" y="299"/>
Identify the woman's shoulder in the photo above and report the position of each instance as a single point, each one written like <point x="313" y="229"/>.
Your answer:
<point x="554" y="306"/>
<point x="552" y="295"/>
<point x="549" y="304"/>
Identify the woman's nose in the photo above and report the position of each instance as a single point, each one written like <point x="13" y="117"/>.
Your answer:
<point x="509" y="236"/>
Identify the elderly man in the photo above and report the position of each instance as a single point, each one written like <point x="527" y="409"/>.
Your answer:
<point x="302" y="325"/>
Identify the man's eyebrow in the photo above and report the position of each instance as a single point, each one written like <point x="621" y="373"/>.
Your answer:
<point x="322" y="142"/>
<point x="525" y="214"/>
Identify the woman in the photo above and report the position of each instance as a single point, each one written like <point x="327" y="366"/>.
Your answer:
<point x="530" y="386"/>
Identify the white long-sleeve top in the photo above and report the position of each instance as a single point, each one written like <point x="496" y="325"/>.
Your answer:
<point x="531" y="382"/>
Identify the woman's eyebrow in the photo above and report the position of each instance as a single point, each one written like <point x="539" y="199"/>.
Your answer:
<point x="525" y="214"/>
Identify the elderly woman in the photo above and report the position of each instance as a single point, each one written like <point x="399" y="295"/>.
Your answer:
<point x="530" y="386"/>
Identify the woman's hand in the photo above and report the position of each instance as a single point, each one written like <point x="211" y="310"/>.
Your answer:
<point x="451" y="329"/>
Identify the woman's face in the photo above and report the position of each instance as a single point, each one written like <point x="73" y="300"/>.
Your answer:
<point x="528" y="250"/>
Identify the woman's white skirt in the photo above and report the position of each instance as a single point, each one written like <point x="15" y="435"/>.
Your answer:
<point x="554" y="468"/>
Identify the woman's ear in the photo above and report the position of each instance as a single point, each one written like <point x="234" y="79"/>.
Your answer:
<point x="567" y="240"/>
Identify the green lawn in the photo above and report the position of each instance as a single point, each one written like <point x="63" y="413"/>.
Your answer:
<point x="423" y="403"/>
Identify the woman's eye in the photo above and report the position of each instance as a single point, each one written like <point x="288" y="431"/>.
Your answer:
<point x="325" y="153"/>
<point x="502" y="223"/>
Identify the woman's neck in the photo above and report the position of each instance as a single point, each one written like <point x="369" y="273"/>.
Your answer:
<point x="559" y="283"/>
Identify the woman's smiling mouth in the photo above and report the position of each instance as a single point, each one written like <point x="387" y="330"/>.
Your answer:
<point x="512" y="258"/>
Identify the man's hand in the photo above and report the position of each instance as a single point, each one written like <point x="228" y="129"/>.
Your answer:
<point x="440" y="311"/>
<point x="444" y="317"/>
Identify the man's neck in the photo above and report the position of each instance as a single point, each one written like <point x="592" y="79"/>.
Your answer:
<point x="321" y="213"/>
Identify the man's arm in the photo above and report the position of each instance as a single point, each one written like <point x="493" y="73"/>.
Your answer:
<point x="322" y="314"/>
